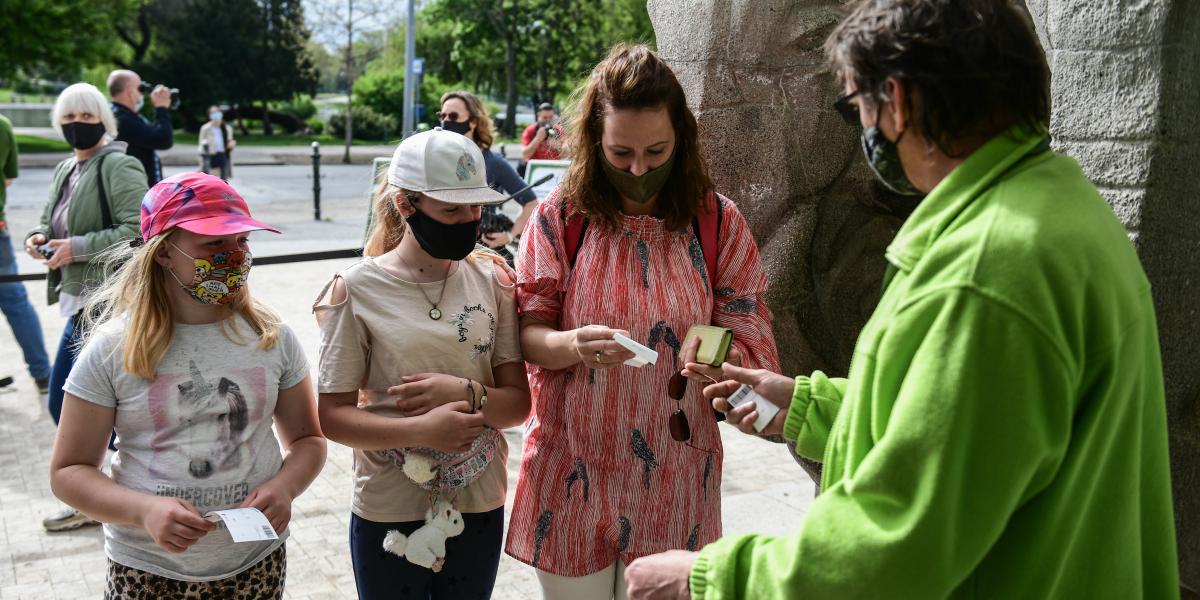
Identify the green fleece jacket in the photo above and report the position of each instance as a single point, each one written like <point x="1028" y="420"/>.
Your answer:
<point x="125" y="183"/>
<point x="1002" y="433"/>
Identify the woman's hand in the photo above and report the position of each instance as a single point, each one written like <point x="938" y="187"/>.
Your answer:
<point x="174" y="523"/>
<point x="451" y="427"/>
<point x="274" y="502"/>
<point x="701" y="372"/>
<point x="31" y="244"/>
<point x="422" y="392"/>
<point x="596" y="348"/>
<point x="62" y="254"/>
<point x="772" y="386"/>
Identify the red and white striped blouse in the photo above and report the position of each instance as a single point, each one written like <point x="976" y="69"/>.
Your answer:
<point x="601" y="478"/>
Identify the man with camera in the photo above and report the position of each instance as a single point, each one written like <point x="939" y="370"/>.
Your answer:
<point x="543" y="139"/>
<point x="128" y="92"/>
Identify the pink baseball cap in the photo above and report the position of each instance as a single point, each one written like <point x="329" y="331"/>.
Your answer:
<point x="202" y="204"/>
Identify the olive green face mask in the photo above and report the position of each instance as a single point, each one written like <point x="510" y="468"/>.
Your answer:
<point x="639" y="188"/>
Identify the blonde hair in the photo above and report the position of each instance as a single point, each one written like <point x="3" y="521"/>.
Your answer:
<point x="136" y="292"/>
<point x="478" y="112"/>
<point x="83" y="98"/>
<point x="387" y="224"/>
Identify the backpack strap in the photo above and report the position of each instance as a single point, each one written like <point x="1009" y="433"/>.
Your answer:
<point x="105" y="211"/>
<point x="707" y="226"/>
<point x="576" y="228"/>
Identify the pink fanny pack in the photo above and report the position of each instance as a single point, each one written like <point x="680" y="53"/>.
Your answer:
<point x="453" y="471"/>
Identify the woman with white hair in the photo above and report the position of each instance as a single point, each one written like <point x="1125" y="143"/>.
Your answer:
<point x="94" y="203"/>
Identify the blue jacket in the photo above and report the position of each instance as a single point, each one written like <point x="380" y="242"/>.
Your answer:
<point x="504" y="179"/>
<point x="143" y="138"/>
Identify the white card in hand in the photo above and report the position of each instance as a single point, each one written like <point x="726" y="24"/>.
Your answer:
<point x="642" y="355"/>
<point x="244" y="524"/>
<point x="766" y="409"/>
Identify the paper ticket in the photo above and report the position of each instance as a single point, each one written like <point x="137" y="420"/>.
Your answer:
<point x="244" y="524"/>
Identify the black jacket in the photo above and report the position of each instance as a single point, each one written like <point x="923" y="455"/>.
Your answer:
<point x="144" y="137"/>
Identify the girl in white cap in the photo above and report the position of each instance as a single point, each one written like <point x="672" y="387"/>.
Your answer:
<point x="192" y="372"/>
<point x="420" y="368"/>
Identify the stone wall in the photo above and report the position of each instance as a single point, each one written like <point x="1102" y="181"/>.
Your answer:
<point x="1126" y="92"/>
<point x="1126" y="79"/>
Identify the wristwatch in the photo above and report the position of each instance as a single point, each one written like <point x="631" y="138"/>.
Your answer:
<point x="483" y="396"/>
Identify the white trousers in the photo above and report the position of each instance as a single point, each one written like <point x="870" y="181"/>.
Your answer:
<point x="608" y="584"/>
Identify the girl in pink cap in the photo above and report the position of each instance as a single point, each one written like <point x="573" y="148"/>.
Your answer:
<point x="191" y="372"/>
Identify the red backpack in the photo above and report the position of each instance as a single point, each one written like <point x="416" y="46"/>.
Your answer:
<point x="707" y="226"/>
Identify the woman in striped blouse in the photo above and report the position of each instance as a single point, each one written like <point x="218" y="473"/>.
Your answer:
<point x="635" y="241"/>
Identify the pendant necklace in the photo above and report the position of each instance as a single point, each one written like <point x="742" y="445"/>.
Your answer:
<point x="434" y="313"/>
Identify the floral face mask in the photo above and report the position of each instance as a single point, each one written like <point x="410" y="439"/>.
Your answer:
<point x="218" y="277"/>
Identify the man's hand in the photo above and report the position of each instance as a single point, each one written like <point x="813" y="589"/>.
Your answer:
<point x="772" y="386"/>
<point x="160" y="97"/>
<point x="661" y="576"/>
<point x="62" y="254"/>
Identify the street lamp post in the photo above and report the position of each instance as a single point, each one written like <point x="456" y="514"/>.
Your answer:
<point x="410" y="52"/>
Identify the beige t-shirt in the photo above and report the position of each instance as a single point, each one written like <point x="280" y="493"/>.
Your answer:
<point x="383" y="332"/>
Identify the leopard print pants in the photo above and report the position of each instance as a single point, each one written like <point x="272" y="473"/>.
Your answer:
<point x="263" y="581"/>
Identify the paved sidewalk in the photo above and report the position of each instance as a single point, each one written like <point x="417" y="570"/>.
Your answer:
<point x="187" y="155"/>
<point x="763" y="489"/>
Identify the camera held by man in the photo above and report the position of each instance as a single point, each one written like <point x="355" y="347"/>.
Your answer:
<point x="157" y="91"/>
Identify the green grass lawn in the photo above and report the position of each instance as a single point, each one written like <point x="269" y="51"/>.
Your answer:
<point x="6" y="95"/>
<point x="280" y="139"/>
<point x="30" y="144"/>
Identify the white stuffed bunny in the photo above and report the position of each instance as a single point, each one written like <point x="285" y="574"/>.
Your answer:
<point x="427" y="546"/>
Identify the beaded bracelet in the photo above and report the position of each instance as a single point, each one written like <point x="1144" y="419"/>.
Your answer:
<point x="471" y="391"/>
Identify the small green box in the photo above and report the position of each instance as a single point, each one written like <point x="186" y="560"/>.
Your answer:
<point x="714" y="343"/>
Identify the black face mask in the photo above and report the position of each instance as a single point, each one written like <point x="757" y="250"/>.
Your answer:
<point x="83" y="135"/>
<point x="447" y="242"/>
<point x="457" y="127"/>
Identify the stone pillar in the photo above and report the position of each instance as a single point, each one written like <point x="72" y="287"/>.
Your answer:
<point x="1126" y="105"/>
<point x="1126" y="92"/>
<point x="755" y="76"/>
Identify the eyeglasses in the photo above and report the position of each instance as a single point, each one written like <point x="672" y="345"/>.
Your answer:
<point x="451" y="116"/>
<point x="848" y="109"/>
<point x="681" y="431"/>
<point x="678" y="423"/>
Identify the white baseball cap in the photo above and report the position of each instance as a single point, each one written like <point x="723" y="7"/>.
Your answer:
<point x="443" y="165"/>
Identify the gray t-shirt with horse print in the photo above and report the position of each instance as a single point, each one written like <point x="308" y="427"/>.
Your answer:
<point x="200" y="431"/>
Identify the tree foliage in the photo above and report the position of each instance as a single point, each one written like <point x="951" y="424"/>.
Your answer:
<point x="58" y="36"/>
<point x="525" y="49"/>
<point x="240" y="52"/>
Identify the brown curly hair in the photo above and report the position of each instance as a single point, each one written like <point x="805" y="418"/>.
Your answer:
<point x="633" y="77"/>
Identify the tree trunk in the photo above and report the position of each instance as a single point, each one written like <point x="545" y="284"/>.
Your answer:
<point x="266" y="119"/>
<point x="349" y="80"/>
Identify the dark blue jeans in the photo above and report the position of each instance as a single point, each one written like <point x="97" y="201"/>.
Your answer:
<point x="22" y="318"/>
<point x="68" y="350"/>
<point x="472" y="560"/>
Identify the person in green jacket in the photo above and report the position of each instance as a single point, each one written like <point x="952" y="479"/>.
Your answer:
<point x="1002" y="432"/>
<point x="95" y="203"/>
